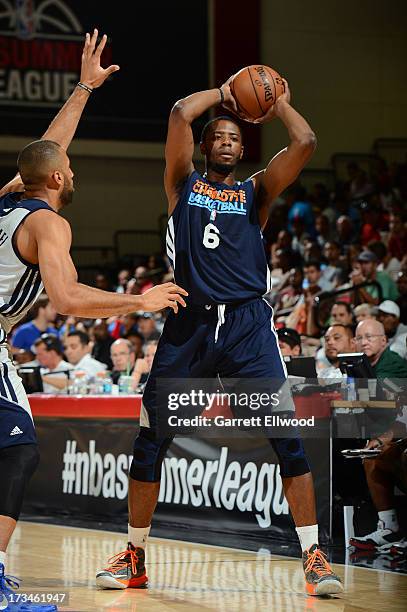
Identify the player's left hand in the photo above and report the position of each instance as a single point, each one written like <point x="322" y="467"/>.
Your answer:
<point x="92" y="73"/>
<point x="274" y="111"/>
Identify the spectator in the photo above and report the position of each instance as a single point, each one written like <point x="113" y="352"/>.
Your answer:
<point x="362" y="312"/>
<point x="122" y="279"/>
<point x="289" y="295"/>
<point x="123" y="357"/>
<point x="344" y="230"/>
<point x="368" y="272"/>
<point x="300" y="236"/>
<point x="50" y="357"/>
<point x="370" y="222"/>
<point x="299" y="208"/>
<point x="102" y="343"/>
<point x="102" y="282"/>
<point x="396" y="332"/>
<point x="137" y="341"/>
<point x="338" y="339"/>
<point x="284" y="241"/>
<point x="332" y="254"/>
<point x="77" y="351"/>
<point x="323" y="229"/>
<point x="314" y="278"/>
<point x="143" y="366"/>
<point x="397" y="237"/>
<point x="402" y="300"/>
<point x="383" y="473"/>
<point x="43" y="314"/>
<point x="289" y="341"/>
<point x="147" y="327"/>
<point x="341" y="313"/>
<point x="371" y="340"/>
<point x="386" y="263"/>
<point x="281" y="266"/>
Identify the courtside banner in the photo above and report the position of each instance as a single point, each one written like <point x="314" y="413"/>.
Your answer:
<point x="207" y="485"/>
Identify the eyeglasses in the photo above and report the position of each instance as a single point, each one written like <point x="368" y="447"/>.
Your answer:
<point x="368" y="337"/>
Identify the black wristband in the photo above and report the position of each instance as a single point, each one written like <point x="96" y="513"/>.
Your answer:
<point x="222" y="95"/>
<point x="85" y="87"/>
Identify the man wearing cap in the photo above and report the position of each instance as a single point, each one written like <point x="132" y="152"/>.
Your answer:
<point x="371" y="340"/>
<point x="49" y="354"/>
<point x="368" y="263"/>
<point x="289" y="341"/>
<point x="396" y="332"/>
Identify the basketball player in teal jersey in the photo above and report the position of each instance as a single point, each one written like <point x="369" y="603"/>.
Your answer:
<point x="34" y="253"/>
<point x="215" y="245"/>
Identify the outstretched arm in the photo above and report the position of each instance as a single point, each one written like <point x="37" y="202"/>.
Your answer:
<point x="63" y="127"/>
<point x="52" y="235"/>
<point x="285" y="167"/>
<point x="179" y="148"/>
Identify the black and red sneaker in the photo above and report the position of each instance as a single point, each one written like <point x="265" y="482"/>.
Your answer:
<point x="319" y="577"/>
<point x="126" y="570"/>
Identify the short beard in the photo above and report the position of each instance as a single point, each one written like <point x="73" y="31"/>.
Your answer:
<point x="222" y="169"/>
<point x="66" y="196"/>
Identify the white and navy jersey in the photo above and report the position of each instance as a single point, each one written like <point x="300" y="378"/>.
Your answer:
<point x="20" y="281"/>
<point x="215" y="244"/>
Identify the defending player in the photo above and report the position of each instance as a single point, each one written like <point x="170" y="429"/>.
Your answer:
<point x="34" y="252"/>
<point x="214" y="242"/>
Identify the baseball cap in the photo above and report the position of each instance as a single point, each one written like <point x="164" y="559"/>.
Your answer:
<point x="367" y="256"/>
<point x="290" y="336"/>
<point x="390" y="307"/>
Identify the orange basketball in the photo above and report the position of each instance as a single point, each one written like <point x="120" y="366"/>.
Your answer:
<point x="255" y="89"/>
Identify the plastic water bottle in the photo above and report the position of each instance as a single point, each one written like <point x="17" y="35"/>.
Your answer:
<point x="351" y="390"/>
<point x="107" y="385"/>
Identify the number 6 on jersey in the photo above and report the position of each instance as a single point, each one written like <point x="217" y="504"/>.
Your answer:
<point x="211" y="236"/>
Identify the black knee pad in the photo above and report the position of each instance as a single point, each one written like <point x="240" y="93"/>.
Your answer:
<point x="17" y="465"/>
<point x="291" y="456"/>
<point x="148" y="455"/>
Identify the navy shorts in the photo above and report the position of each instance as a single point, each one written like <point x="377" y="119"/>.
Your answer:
<point x="236" y="341"/>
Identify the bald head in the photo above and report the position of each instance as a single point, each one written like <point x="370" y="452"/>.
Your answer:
<point x="370" y="326"/>
<point x="371" y="339"/>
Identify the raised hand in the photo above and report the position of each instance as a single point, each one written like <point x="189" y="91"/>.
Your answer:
<point x="163" y="296"/>
<point x="229" y="102"/>
<point x="274" y="110"/>
<point x="92" y="73"/>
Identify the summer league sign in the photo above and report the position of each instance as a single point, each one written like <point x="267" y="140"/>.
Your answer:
<point x="41" y="45"/>
<point x="207" y="485"/>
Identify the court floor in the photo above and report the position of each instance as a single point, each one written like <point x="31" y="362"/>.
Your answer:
<point x="185" y="577"/>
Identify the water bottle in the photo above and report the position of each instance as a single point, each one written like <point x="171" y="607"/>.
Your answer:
<point x="107" y="385"/>
<point x="351" y="390"/>
<point x="125" y="385"/>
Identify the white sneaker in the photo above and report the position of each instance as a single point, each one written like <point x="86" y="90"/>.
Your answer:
<point x="379" y="538"/>
<point x="396" y="548"/>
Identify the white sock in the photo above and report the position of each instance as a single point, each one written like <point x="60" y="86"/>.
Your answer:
<point x="308" y="535"/>
<point x="389" y="518"/>
<point x="138" y="535"/>
<point x="2" y="557"/>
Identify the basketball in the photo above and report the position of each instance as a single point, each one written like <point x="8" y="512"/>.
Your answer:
<point x="255" y="89"/>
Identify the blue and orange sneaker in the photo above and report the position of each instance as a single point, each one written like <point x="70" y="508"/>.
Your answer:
<point x="319" y="577"/>
<point x="8" y="587"/>
<point x="126" y="570"/>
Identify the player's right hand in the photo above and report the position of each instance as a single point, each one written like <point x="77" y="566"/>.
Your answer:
<point x="163" y="296"/>
<point x="229" y="102"/>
